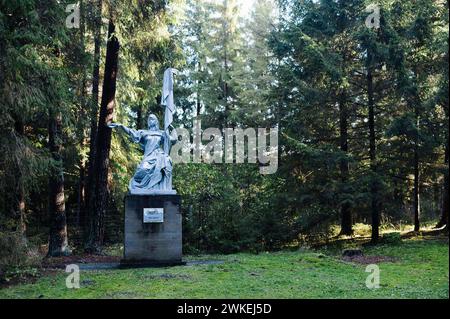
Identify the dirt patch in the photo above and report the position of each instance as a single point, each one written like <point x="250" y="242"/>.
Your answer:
<point x="61" y="262"/>
<point x="366" y="260"/>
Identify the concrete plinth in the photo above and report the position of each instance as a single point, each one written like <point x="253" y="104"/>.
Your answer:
<point x="152" y="242"/>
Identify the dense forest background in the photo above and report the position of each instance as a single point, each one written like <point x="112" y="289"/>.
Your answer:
<point x="362" y="114"/>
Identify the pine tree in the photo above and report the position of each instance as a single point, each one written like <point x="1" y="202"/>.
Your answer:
<point x="98" y="199"/>
<point x="415" y="32"/>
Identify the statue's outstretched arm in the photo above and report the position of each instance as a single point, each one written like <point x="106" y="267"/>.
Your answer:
<point x="131" y="132"/>
<point x="118" y="125"/>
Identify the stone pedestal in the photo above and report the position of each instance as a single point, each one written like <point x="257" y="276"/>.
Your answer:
<point x="156" y="238"/>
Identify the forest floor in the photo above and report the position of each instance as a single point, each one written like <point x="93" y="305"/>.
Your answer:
<point x="416" y="267"/>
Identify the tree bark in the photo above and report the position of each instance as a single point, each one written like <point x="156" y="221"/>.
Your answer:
<point x="58" y="241"/>
<point x="82" y="132"/>
<point x="445" y="196"/>
<point x="139" y="116"/>
<point x="99" y="192"/>
<point x="416" y="191"/>
<point x="20" y="190"/>
<point x="22" y="212"/>
<point x="93" y="113"/>
<point x="346" y="216"/>
<point x="375" y="212"/>
<point x="198" y="104"/>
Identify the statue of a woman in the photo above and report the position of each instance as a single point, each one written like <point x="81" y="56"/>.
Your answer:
<point x="154" y="173"/>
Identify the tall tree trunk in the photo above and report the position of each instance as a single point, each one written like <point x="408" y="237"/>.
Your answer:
<point x="99" y="193"/>
<point x="445" y="196"/>
<point x="226" y="91"/>
<point x="346" y="216"/>
<point x="22" y="212"/>
<point x="375" y="212"/>
<point x="198" y="104"/>
<point x="139" y="116"/>
<point x="81" y="128"/>
<point x="416" y="191"/>
<point x="19" y="189"/>
<point x="93" y="112"/>
<point x="19" y="208"/>
<point x="58" y="241"/>
<point x="81" y="194"/>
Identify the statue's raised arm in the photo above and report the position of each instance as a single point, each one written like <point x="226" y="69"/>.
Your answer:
<point x="173" y="136"/>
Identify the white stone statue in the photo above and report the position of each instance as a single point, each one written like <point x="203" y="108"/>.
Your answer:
<point x="154" y="173"/>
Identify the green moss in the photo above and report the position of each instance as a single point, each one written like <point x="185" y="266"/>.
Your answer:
<point x="420" y="271"/>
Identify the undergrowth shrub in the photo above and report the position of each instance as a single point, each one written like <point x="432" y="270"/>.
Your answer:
<point x="17" y="257"/>
<point x="391" y="238"/>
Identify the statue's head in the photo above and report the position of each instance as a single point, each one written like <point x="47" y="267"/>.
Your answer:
<point x="153" y="124"/>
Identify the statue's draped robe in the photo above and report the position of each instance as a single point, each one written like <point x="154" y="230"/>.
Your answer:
<point x="155" y="170"/>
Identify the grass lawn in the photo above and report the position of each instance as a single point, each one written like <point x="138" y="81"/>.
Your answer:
<point x="417" y="268"/>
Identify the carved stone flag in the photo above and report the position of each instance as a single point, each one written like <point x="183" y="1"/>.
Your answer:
<point x="167" y="96"/>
